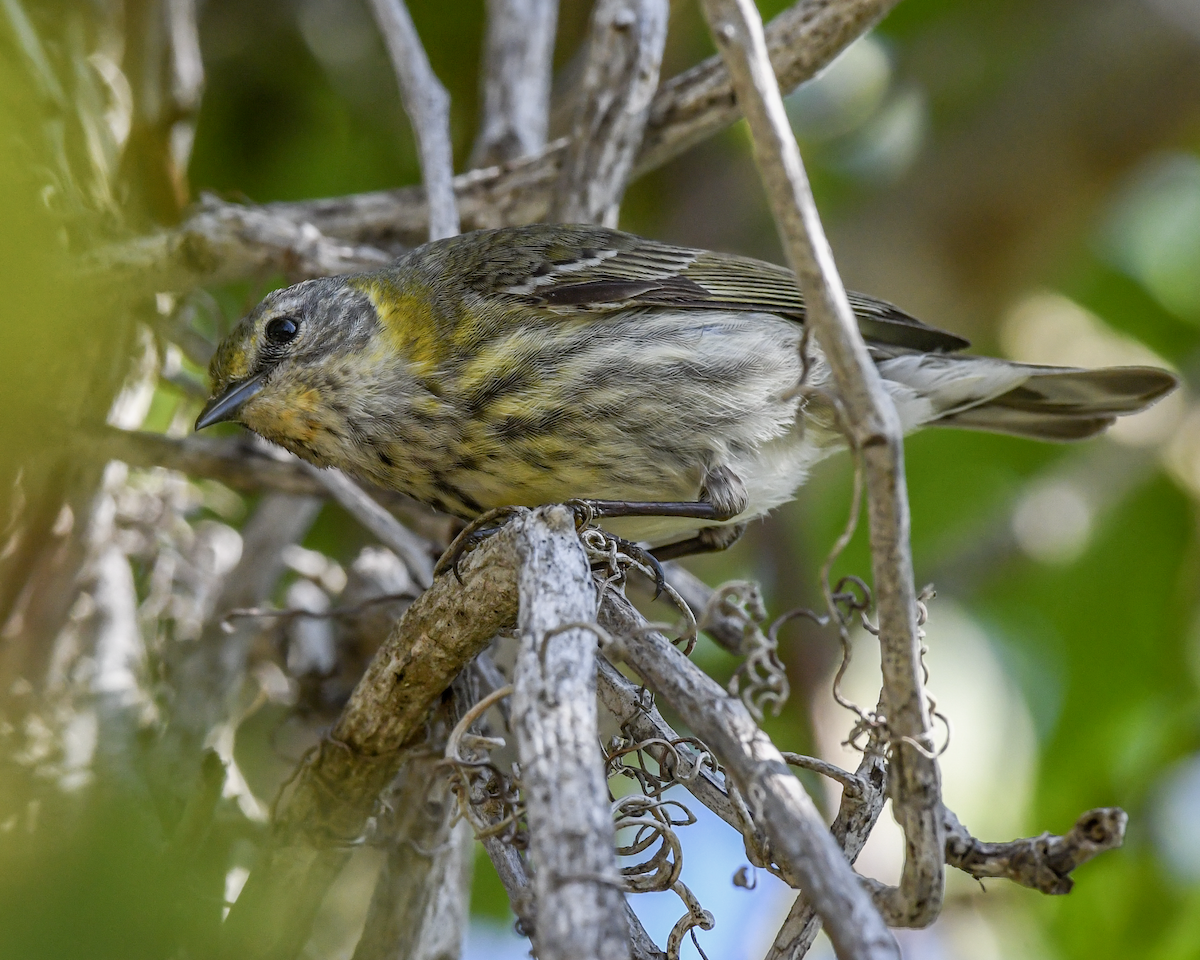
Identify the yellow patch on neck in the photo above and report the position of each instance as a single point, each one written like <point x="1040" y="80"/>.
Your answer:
<point x="408" y="320"/>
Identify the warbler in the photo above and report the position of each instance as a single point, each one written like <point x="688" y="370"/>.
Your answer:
<point x="673" y="386"/>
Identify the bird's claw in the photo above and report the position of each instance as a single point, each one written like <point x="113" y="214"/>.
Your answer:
<point x="584" y="511"/>
<point x="473" y="534"/>
<point x="646" y="558"/>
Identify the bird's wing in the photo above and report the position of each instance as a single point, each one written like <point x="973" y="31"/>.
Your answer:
<point x="574" y="268"/>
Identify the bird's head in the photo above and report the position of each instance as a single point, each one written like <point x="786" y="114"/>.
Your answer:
<point x="285" y="369"/>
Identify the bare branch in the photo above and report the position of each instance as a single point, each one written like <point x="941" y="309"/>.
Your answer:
<point x="518" y="58"/>
<point x="624" y="53"/>
<point x="226" y="241"/>
<point x="419" y="908"/>
<point x="244" y="463"/>
<point x="691" y="106"/>
<point x="875" y="432"/>
<point x="800" y="841"/>
<point x="854" y="822"/>
<point x="409" y="547"/>
<point x="801" y="41"/>
<point x="571" y="836"/>
<point x="326" y="808"/>
<point x="1043" y="863"/>
<point x="428" y="108"/>
<point x="243" y="466"/>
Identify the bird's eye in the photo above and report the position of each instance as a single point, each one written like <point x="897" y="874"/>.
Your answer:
<point x="282" y="330"/>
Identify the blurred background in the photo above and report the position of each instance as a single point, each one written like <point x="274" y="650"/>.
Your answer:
<point x="1023" y="172"/>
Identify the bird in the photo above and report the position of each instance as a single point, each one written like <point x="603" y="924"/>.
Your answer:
<point x="672" y="389"/>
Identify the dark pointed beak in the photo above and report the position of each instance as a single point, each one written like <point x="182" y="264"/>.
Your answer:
<point x="227" y="404"/>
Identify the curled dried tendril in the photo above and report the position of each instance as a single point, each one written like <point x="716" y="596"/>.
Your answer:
<point x="488" y="798"/>
<point x="616" y="556"/>
<point x="696" y="916"/>
<point x="653" y="830"/>
<point x="674" y="763"/>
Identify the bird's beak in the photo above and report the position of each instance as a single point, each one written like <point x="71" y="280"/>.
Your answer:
<point x="227" y="404"/>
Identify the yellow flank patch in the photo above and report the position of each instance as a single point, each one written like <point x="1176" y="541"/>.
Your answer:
<point x="502" y="357"/>
<point x="408" y="321"/>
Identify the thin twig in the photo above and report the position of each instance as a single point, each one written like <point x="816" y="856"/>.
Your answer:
<point x="409" y="547"/>
<point x="428" y="108"/>
<point x="875" y="431"/>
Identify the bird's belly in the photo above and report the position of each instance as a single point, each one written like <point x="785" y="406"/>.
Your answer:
<point x="642" y="414"/>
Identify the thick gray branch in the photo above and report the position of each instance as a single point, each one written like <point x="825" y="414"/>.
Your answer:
<point x="227" y="241"/>
<point x="517" y="62"/>
<point x="624" y="53"/>
<point x="428" y="108"/>
<point x="571" y="837"/>
<point x="874" y="429"/>
<point x="800" y="841"/>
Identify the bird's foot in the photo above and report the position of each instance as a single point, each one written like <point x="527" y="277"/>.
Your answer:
<point x="472" y="535"/>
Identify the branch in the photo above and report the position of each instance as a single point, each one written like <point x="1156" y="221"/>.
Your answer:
<point x="335" y="788"/>
<point x="409" y="547"/>
<point x="571" y="838"/>
<point x="428" y="107"/>
<point x="220" y="242"/>
<point x="800" y="841"/>
<point x="242" y="466"/>
<point x="517" y="62"/>
<point x="801" y="42"/>
<point x="419" y="907"/>
<point x="226" y="241"/>
<point x="875" y="432"/>
<point x="1042" y="863"/>
<point x="857" y="813"/>
<point x="624" y="53"/>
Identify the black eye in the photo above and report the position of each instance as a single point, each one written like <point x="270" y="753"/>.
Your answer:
<point x="282" y="330"/>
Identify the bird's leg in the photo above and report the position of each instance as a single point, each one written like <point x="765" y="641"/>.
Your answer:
<point x="706" y="540"/>
<point x="722" y="497"/>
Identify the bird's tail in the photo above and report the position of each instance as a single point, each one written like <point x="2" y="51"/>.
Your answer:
<point x="1058" y="404"/>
